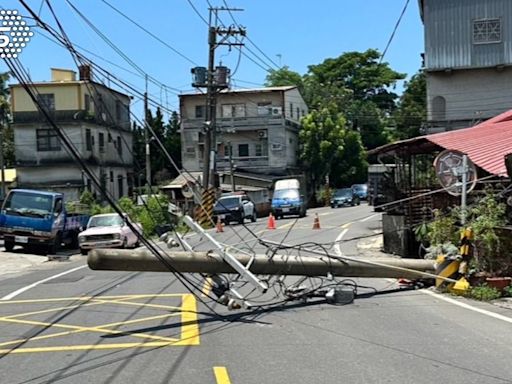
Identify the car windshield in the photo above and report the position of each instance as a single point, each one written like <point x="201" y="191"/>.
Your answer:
<point x="105" y="221"/>
<point x="227" y="202"/>
<point x="345" y="192"/>
<point x="28" y="204"/>
<point x="286" y="194"/>
<point x="360" y="187"/>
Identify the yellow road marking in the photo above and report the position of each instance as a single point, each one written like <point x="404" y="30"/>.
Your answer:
<point x="86" y="298"/>
<point x="207" y="287"/>
<point x="346" y="225"/>
<point x="221" y="375"/>
<point x="284" y="226"/>
<point x="189" y="328"/>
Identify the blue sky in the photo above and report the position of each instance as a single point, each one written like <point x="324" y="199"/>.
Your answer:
<point x="296" y="33"/>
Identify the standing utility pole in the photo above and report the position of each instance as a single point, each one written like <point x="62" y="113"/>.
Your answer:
<point x="147" y="139"/>
<point x="216" y="79"/>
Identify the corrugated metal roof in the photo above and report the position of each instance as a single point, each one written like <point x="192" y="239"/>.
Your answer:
<point x="486" y="144"/>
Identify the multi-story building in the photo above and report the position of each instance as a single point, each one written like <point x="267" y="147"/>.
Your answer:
<point x="95" y="118"/>
<point x="259" y="126"/>
<point x="468" y="61"/>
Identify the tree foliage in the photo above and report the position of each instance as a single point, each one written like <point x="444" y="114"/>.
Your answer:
<point x="283" y="76"/>
<point x="412" y="108"/>
<point x="7" y="131"/>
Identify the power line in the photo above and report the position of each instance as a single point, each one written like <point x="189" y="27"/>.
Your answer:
<point x="394" y="31"/>
<point x="150" y="33"/>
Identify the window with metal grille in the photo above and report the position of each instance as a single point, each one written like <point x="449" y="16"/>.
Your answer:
<point x="258" y="150"/>
<point x="200" y="111"/>
<point x="88" y="140"/>
<point x="486" y="31"/>
<point x="47" y="140"/>
<point x="101" y="142"/>
<point x="243" y="150"/>
<point x="47" y="101"/>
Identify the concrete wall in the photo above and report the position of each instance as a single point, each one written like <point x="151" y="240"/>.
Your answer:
<point x="471" y="95"/>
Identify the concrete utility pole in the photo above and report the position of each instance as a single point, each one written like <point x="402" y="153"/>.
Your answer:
<point x="213" y="85"/>
<point x="211" y="263"/>
<point x="231" y="168"/>
<point x="147" y="139"/>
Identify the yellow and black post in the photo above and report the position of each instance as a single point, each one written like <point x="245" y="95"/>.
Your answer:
<point x="206" y="210"/>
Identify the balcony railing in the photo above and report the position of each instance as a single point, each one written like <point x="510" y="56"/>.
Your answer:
<point x="238" y="123"/>
<point x="244" y="162"/>
<point x="68" y="116"/>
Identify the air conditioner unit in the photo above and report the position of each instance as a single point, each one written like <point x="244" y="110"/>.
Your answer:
<point x="263" y="134"/>
<point x="277" y="111"/>
<point x="277" y="147"/>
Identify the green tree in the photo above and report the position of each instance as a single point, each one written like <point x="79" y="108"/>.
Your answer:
<point x="329" y="149"/>
<point x="412" y="108"/>
<point x="283" y="76"/>
<point x="173" y="142"/>
<point x="6" y="129"/>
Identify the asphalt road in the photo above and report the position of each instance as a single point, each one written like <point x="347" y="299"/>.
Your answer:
<point x="116" y="327"/>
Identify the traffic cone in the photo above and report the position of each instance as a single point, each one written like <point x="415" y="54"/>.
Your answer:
<point x="316" y="223"/>
<point x="219" y="226"/>
<point x="271" y="222"/>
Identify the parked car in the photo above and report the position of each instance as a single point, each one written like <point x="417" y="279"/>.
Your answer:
<point x="234" y="207"/>
<point x="107" y="231"/>
<point x="344" y="196"/>
<point x="361" y="190"/>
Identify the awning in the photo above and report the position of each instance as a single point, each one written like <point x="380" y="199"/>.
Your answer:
<point x="486" y="144"/>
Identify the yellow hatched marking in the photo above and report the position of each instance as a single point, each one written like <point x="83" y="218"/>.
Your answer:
<point x="221" y="375"/>
<point x="189" y="327"/>
<point x="87" y="298"/>
<point x="84" y="329"/>
<point x="188" y="312"/>
<point x="207" y="287"/>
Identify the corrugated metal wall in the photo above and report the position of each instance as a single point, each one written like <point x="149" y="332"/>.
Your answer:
<point x="449" y="33"/>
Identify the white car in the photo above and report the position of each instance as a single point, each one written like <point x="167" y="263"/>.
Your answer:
<point x="234" y="207"/>
<point x="107" y="231"/>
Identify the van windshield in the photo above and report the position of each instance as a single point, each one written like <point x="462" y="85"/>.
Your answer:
<point x="286" y="194"/>
<point x="28" y="204"/>
<point x="227" y="203"/>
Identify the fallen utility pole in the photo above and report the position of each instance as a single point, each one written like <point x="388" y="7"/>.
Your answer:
<point x="210" y="263"/>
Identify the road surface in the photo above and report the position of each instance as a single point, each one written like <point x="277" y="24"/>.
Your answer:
<point x="63" y="323"/>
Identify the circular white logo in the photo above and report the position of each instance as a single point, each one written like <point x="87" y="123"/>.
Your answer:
<point x="14" y="34"/>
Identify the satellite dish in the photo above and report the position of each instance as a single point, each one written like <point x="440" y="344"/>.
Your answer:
<point x="448" y="166"/>
<point x="187" y="191"/>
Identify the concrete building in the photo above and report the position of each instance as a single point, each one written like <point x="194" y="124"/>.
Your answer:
<point x="259" y="126"/>
<point x="468" y="61"/>
<point x="94" y="117"/>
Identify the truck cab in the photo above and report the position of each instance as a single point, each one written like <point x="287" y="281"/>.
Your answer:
<point x="38" y="219"/>
<point x="288" y="199"/>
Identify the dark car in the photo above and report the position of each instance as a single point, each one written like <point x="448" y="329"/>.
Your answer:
<point x="344" y="196"/>
<point x="234" y="208"/>
<point x="361" y="190"/>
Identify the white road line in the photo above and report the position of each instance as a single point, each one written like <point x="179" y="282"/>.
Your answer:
<point x="368" y="218"/>
<point x="21" y="290"/>
<point x="467" y="306"/>
<point x="337" y="248"/>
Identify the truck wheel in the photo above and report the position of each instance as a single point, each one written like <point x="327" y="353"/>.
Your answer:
<point x="241" y="220"/>
<point x="84" y="251"/>
<point x="74" y="241"/>
<point x="9" y="245"/>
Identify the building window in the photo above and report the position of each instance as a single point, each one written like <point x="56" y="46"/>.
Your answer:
<point x="88" y="140"/>
<point x="119" y="146"/>
<point x="101" y="141"/>
<point x="258" y="150"/>
<point x="227" y="149"/>
<point x="47" y="140"/>
<point x="291" y="110"/>
<point x="200" y="111"/>
<point x="486" y="31"/>
<point x="243" y="150"/>
<point x="111" y="176"/>
<point x="120" y="185"/>
<point x="119" y="112"/>
<point x="233" y="110"/>
<point x="439" y="108"/>
<point x="47" y="101"/>
<point x="264" y="108"/>
<point x="87" y="102"/>
<point x="109" y="138"/>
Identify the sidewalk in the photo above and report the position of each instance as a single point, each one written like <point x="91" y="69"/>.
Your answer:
<point x="15" y="263"/>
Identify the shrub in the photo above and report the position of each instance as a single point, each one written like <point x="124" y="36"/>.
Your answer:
<point x="484" y="293"/>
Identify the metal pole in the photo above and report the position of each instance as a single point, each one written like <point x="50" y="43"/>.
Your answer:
<point x="464" y="189"/>
<point x="231" y="168"/>
<point x="147" y="139"/>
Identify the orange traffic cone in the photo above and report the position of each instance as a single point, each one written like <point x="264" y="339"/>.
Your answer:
<point x="316" y="223"/>
<point x="271" y="222"/>
<point x="219" y="226"/>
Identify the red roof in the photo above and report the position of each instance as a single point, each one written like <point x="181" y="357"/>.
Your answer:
<point x="486" y="144"/>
